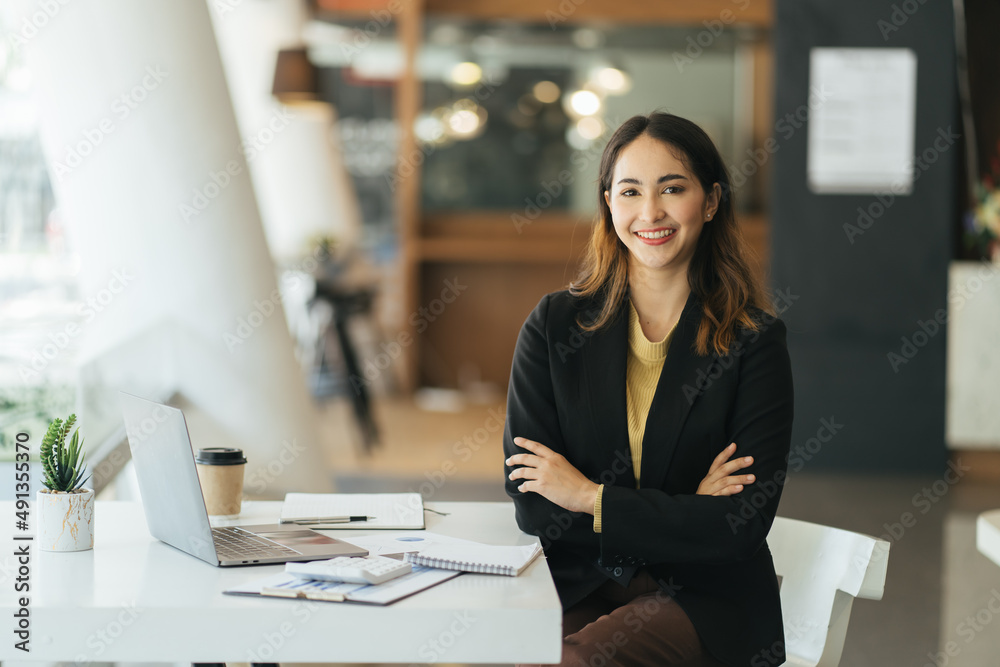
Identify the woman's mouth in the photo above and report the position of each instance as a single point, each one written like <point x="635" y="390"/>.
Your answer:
<point x="656" y="236"/>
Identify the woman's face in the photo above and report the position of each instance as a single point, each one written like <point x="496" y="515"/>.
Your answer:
<point x="657" y="206"/>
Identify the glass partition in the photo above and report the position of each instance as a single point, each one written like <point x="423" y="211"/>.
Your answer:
<point x="515" y="115"/>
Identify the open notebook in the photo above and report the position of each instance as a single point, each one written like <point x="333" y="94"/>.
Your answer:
<point x="482" y="558"/>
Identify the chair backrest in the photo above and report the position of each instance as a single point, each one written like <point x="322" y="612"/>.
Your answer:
<point x="822" y="570"/>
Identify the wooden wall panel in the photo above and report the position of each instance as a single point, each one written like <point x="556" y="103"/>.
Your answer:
<point x="408" y="101"/>
<point x="557" y="12"/>
<point x="479" y="329"/>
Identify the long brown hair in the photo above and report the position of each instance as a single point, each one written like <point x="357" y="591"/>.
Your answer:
<point x="719" y="274"/>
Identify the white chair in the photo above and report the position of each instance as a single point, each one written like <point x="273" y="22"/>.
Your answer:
<point x="822" y="570"/>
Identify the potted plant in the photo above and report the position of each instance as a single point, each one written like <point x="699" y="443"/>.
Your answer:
<point x="65" y="508"/>
<point x="972" y="402"/>
<point x="982" y="226"/>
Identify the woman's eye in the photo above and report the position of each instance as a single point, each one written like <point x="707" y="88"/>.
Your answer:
<point x="628" y="193"/>
<point x="673" y="189"/>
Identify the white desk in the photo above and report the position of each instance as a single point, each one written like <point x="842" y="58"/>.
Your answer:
<point x="133" y="598"/>
<point x="988" y="535"/>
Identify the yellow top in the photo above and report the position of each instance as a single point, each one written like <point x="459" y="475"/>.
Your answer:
<point x="642" y="372"/>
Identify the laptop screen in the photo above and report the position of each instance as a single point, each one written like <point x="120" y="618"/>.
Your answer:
<point x="168" y="480"/>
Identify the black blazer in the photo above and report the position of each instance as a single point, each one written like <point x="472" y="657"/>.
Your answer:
<point x="567" y="391"/>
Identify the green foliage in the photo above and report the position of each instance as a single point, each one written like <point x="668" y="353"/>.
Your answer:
<point x="62" y="465"/>
<point x="29" y="409"/>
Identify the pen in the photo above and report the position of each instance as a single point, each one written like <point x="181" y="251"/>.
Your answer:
<point x="329" y="519"/>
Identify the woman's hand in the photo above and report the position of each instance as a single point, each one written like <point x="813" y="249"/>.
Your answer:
<point x="551" y="476"/>
<point x="719" y="481"/>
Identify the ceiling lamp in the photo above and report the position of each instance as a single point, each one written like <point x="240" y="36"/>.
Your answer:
<point x="296" y="79"/>
<point x="430" y="127"/>
<point x="584" y="103"/>
<point x="612" y="80"/>
<point x="590" y="128"/>
<point x="466" y="74"/>
<point x="546" y="92"/>
<point x="466" y="120"/>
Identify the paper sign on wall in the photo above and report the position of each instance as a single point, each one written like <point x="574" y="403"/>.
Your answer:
<point x="861" y="137"/>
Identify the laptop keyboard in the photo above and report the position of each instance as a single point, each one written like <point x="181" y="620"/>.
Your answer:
<point x="232" y="543"/>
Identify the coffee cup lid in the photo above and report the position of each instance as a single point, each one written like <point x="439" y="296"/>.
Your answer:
<point x="220" y="456"/>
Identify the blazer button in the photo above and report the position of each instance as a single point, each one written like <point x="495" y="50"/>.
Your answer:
<point x="618" y="572"/>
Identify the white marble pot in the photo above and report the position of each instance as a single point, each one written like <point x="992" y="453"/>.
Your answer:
<point x="65" y="520"/>
<point x="972" y="403"/>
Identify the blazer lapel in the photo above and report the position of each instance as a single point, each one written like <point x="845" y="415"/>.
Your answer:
<point x="604" y="371"/>
<point x="676" y="391"/>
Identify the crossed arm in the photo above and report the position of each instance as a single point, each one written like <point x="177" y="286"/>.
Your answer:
<point x="552" y="476"/>
<point x="703" y="527"/>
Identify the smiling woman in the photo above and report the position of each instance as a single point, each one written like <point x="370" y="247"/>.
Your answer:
<point x="654" y="559"/>
<point x="681" y="154"/>
<point x="658" y="218"/>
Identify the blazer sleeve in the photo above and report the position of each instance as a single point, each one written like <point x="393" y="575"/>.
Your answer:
<point x="532" y="414"/>
<point x="652" y="526"/>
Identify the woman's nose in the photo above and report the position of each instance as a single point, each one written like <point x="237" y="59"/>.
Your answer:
<point x="652" y="209"/>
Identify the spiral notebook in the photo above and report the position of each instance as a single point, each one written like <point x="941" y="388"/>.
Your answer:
<point x="482" y="558"/>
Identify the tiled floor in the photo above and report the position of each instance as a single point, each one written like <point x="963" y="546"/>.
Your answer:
<point x="938" y="587"/>
<point x="936" y="577"/>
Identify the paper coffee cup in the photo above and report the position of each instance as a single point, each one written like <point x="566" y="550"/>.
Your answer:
<point x="220" y="470"/>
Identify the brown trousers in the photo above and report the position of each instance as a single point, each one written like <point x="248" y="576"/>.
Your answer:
<point x="631" y="627"/>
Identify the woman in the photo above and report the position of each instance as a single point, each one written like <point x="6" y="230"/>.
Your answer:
<point x="623" y="391"/>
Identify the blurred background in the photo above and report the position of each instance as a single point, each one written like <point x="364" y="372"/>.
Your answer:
<point x="318" y="227"/>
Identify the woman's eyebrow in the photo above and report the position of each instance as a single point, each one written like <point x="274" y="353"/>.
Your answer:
<point x="661" y="179"/>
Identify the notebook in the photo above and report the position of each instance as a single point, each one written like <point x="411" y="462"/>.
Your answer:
<point x="388" y="511"/>
<point x="482" y="558"/>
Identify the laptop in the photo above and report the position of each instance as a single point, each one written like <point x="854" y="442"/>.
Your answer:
<point x="175" y="508"/>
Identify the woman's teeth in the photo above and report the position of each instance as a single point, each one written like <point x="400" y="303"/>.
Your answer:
<point x="656" y="235"/>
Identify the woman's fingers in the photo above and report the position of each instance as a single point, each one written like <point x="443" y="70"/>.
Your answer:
<point x="735" y="465"/>
<point x="530" y="463"/>
<point x="720" y="480"/>
<point x="726" y="489"/>
<point x="730" y="485"/>
<point x="723" y="466"/>
<point x="523" y="460"/>
<point x="740" y="479"/>
<point x="718" y="475"/>
<point x="539" y="452"/>
<point x="524" y="473"/>
<point x="532" y="446"/>
<point x="722" y="457"/>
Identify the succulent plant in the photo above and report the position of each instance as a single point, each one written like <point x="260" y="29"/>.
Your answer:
<point x="62" y="464"/>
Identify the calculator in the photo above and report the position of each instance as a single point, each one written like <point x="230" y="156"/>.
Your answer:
<point x="353" y="570"/>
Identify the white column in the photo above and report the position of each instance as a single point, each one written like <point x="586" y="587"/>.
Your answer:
<point x="152" y="177"/>
<point x="301" y="184"/>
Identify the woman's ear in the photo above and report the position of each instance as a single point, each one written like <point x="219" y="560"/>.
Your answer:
<point x="607" y="198"/>
<point x="712" y="203"/>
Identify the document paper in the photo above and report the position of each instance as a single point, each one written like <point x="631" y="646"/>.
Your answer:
<point x="395" y="511"/>
<point x="862" y="116"/>
<point x="286" y="585"/>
